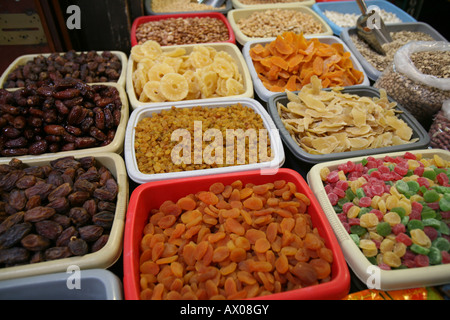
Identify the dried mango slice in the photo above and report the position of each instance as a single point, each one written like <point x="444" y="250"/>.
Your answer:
<point x="330" y="121"/>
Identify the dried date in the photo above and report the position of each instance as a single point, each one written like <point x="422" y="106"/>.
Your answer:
<point x="14" y="234"/>
<point x="49" y="229"/>
<point x="78" y="247"/>
<point x="35" y="242"/>
<point x="57" y="253"/>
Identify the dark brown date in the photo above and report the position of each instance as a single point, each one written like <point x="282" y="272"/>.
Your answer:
<point x="35" y="242"/>
<point x="90" y="233"/>
<point x="13" y="256"/>
<point x="38" y="214"/>
<point x="49" y="229"/>
<point x="57" y="253"/>
<point x="14" y="234"/>
<point x="78" y="247"/>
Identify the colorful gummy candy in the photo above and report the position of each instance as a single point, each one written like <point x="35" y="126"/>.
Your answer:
<point x="396" y="209"/>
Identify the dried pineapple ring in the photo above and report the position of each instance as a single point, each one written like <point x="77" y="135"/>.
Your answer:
<point x="174" y="87"/>
<point x="200" y="59"/>
<point x="157" y="72"/>
<point x="137" y="53"/>
<point x="152" y="90"/>
<point x="151" y="49"/>
<point x="223" y="68"/>
<point x="208" y="83"/>
<point x="234" y="87"/>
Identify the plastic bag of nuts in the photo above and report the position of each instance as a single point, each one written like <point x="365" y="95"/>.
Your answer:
<point x="440" y="129"/>
<point x="419" y="78"/>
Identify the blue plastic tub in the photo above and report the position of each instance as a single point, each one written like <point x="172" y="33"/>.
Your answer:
<point x="352" y="7"/>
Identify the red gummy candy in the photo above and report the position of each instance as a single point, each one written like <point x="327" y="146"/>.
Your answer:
<point x="333" y="197"/>
<point x="442" y="179"/>
<point x="445" y="257"/>
<point x="365" y="202"/>
<point x="378" y="213"/>
<point x="409" y="155"/>
<point x="384" y="266"/>
<point x="431" y="232"/>
<point x="346" y="206"/>
<point x="422" y="260"/>
<point x="333" y="176"/>
<point x="353" y="222"/>
<point x="398" y="228"/>
<point x="404" y="238"/>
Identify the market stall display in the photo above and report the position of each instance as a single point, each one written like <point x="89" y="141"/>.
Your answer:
<point x="397" y="224"/>
<point x="419" y="78"/>
<point x="289" y="62"/>
<point x="260" y="23"/>
<point x="62" y="118"/>
<point x="55" y="219"/>
<point x="402" y="33"/>
<point x="89" y="67"/>
<point x="332" y="183"/>
<point x="157" y="7"/>
<point x="179" y="29"/>
<point x="258" y="126"/>
<point x="186" y="72"/>
<point x="343" y="14"/>
<point x="249" y="282"/>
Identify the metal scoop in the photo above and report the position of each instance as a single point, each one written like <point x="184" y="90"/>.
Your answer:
<point x="371" y="28"/>
<point x="213" y="3"/>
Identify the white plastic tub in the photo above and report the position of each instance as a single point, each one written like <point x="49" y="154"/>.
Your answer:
<point x="235" y="15"/>
<point x="22" y="60"/>
<point x="116" y="146"/>
<point x="94" y="284"/>
<point x="105" y="257"/>
<point x="364" y="270"/>
<point x="146" y="111"/>
<point x="230" y="48"/>
<point x="263" y="93"/>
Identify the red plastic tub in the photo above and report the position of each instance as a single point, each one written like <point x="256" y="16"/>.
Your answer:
<point x="217" y="15"/>
<point x="152" y="194"/>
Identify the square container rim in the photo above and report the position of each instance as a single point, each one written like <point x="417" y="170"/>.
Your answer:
<point x="340" y="283"/>
<point x="23" y="59"/>
<point x="212" y="14"/>
<point x="248" y="83"/>
<point x="242" y="38"/>
<point x="393" y="279"/>
<point x="116" y="146"/>
<point x="136" y="175"/>
<point x="371" y="71"/>
<point x="302" y="155"/>
<point x="320" y="7"/>
<point x="149" y="11"/>
<point x="111" y="282"/>
<point x="103" y="258"/>
<point x="265" y="94"/>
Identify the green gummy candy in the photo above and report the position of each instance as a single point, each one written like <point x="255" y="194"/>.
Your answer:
<point x="435" y="256"/>
<point x="413" y="186"/>
<point x="441" y="244"/>
<point x="415" y="224"/>
<point x="360" y="193"/>
<point x="400" y="211"/>
<point x="384" y="229"/>
<point x="444" y="204"/>
<point x="431" y="223"/>
<point x="431" y="196"/>
<point x="402" y="186"/>
<point x="419" y="249"/>
<point x="428" y="214"/>
<point x="349" y="194"/>
<point x="430" y="174"/>
<point x="355" y="238"/>
<point x="444" y="229"/>
<point x="358" y="230"/>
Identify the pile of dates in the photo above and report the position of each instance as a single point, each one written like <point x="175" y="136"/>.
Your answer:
<point x="88" y="66"/>
<point x="62" y="209"/>
<point x="64" y="115"/>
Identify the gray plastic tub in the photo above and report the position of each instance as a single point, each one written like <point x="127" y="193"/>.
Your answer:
<point x="94" y="284"/>
<point x="149" y="11"/>
<point x="366" y="91"/>
<point x="370" y="70"/>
